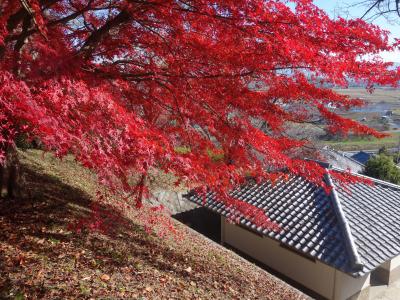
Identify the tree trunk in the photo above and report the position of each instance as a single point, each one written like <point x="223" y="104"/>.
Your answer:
<point x="9" y="173"/>
<point x="12" y="180"/>
<point x="2" y="167"/>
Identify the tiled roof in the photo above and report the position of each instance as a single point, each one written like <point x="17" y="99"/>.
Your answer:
<point x="340" y="160"/>
<point x="354" y="229"/>
<point x="373" y="213"/>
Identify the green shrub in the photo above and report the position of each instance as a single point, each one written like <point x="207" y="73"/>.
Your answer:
<point x="182" y="150"/>
<point x="382" y="167"/>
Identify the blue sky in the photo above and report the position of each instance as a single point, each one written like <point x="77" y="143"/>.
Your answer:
<point x="339" y="7"/>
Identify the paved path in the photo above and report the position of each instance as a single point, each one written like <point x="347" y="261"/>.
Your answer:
<point x="385" y="293"/>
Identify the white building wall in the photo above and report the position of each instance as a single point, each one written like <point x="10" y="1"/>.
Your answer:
<point x="394" y="270"/>
<point x="386" y="265"/>
<point x="347" y="286"/>
<point x="395" y="263"/>
<point x="314" y="275"/>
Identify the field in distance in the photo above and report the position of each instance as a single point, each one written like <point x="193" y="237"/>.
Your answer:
<point x="390" y="95"/>
<point x="379" y="102"/>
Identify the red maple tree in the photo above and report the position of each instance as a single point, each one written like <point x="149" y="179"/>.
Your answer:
<point x="129" y="86"/>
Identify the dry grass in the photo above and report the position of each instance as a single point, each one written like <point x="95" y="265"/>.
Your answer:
<point x="40" y="258"/>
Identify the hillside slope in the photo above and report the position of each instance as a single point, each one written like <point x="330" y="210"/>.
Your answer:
<point x="41" y="258"/>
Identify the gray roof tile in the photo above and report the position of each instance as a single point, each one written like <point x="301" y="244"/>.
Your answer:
<point x="374" y="217"/>
<point x="356" y="222"/>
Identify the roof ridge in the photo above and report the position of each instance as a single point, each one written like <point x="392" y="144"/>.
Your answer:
<point x="356" y="262"/>
<point x="381" y="182"/>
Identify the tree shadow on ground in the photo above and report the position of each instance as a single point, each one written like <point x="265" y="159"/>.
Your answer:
<point x="40" y="258"/>
<point x="35" y="228"/>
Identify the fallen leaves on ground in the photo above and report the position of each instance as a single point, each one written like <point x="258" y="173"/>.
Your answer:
<point x="41" y="259"/>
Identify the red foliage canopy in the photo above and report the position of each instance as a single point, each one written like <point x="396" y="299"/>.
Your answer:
<point x="128" y="86"/>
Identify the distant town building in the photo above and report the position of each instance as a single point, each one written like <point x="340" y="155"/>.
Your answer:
<point x="362" y="157"/>
<point x="341" y="160"/>
<point x="385" y="119"/>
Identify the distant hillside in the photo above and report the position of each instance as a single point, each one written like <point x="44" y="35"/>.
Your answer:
<point x="353" y="84"/>
<point x="256" y="85"/>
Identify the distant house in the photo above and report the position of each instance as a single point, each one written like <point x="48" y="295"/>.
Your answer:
<point x="385" y="119"/>
<point x="389" y="113"/>
<point x="341" y="160"/>
<point x="332" y="244"/>
<point x="362" y="157"/>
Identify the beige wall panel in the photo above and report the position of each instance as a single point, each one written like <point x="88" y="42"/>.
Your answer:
<point x="347" y="286"/>
<point x="313" y="275"/>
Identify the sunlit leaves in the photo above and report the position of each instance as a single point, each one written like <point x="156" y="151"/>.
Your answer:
<point x="128" y="87"/>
